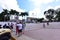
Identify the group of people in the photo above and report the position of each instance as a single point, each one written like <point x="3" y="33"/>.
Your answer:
<point x="44" y="24"/>
<point x="8" y="26"/>
<point x="20" y="28"/>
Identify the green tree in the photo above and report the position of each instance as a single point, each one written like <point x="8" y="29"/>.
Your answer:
<point x="14" y="12"/>
<point x="40" y="19"/>
<point x="1" y="17"/>
<point x="11" y="12"/>
<point x="58" y="16"/>
<point x="50" y="14"/>
<point x="3" y="13"/>
<point x="23" y="14"/>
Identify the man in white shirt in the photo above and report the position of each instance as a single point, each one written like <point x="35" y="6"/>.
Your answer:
<point x="19" y="26"/>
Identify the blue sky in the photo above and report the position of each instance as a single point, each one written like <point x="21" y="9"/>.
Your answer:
<point x="35" y="8"/>
<point x="28" y="5"/>
<point x="25" y="4"/>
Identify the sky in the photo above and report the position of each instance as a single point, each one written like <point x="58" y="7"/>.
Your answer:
<point x="35" y="8"/>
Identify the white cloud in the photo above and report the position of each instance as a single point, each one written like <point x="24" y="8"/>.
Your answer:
<point x="57" y="7"/>
<point x="35" y="13"/>
<point x="37" y="9"/>
<point x="56" y="0"/>
<point x="37" y="3"/>
<point x="49" y="7"/>
<point x="10" y="4"/>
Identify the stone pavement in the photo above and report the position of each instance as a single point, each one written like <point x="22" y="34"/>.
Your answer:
<point x="42" y="34"/>
<point x="22" y="37"/>
<point x="37" y="32"/>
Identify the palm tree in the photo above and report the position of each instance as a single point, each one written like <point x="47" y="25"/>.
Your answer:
<point x="14" y="12"/>
<point x="1" y="17"/>
<point x="11" y="12"/>
<point x="23" y="14"/>
<point x="3" y="13"/>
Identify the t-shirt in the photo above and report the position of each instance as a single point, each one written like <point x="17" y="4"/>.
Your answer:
<point x="19" y="26"/>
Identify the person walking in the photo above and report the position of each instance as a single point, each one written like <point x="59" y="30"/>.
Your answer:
<point x="23" y="26"/>
<point x="19" y="26"/>
<point x="43" y="25"/>
<point x="47" y="23"/>
<point x="16" y="28"/>
<point x="11" y="26"/>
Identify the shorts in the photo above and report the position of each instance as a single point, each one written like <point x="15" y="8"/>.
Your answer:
<point x="20" y="30"/>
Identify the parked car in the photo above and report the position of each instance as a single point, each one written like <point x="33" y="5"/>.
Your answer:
<point x="5" y="34"/>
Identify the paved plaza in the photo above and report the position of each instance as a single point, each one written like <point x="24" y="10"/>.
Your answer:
<point x="35" y="31"/>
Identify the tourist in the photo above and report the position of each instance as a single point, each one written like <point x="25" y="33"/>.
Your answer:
<point x="4" y="26"/>
<point x="16" y="29"/>
<point x="23" y="26"/>
<point x="0" y="26"/>
<point x="43" y="25"/>
<point x="11" y="25"/>
<point x="19" y="26"/>
<point x="8" y="26"/>
<point x="47" y="23"/>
